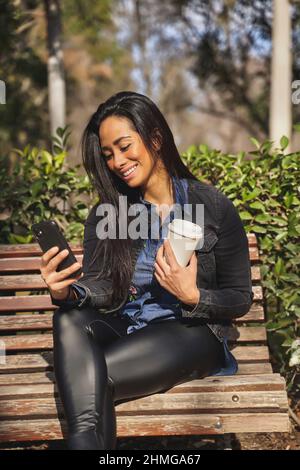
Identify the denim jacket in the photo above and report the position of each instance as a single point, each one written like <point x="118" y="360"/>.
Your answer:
<point x="223" y="265"/>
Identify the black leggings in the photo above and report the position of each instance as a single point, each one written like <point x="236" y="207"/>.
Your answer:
<point x="98" y="365"/>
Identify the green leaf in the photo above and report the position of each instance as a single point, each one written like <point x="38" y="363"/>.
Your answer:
<point x="258" y="229"/>
<point x="274" y="326"/>
<point x="64" y="186"/>
<point x="257" y="205"/>
<point x="281" y="236"/>
<point x="288" y="162"/>
<point x="297" y="311"/>
<point x="60" y="131"/>
<point x="37" y="187"/>
<point x="245" y="215"/>
<point x="290" y="277"/>
<point x="46" y="157"/>
<point x="56" y="140"/>
<point x="203" y="148"/>
<point x="284" y="142"/>
<point x="255" y="142"/>
<point x="13" y="238"/>
<point x="279" y="267"/>
<point x="66" y="137"/>
<point x="288" y="200"/>
<point x="59" y="159"/>
<point x="266" y="243"/>
<point x="252" y="195"/>
<point x="266" y="146"/>
<point x="262" y="218"/>
<point x="56" y="148"/>
<point x="279" y="220"/>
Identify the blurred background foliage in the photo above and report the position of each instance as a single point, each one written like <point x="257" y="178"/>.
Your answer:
<point x="206" y="64"/>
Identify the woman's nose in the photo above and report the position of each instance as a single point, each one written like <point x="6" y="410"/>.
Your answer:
<point x="119" y="161"/>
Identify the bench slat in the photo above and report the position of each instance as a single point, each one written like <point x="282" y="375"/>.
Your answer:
<point x="256" y="368"/>
<point x="32" y="342"/>
<point x="38" y="363"/>
<point x="158" y="404"/>
<point x="247" y="334"/>
<point x="203" y="424"/>
<point x="29" y="265"/>
<point x="251" y="355"/>
<point x="25" y="322"/>
<point x="34" y="281"/>
<point x="193" y="424"/>
<point x="32" y="322"/>
<point x="31" y="363"/>
<point x="42" y="302"/>
<point x="32" y="249"/>
<point x="266" y="381"/>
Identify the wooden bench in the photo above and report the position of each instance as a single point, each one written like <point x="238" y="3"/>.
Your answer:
<point x="254" y="400"/>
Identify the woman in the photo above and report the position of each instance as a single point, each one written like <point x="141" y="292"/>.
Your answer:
<point x="137" y="323"/>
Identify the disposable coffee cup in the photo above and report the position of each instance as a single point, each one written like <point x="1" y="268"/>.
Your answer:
<point x="184" y="237"/>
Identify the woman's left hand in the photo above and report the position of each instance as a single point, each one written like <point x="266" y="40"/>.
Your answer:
<point x="176" y="279"/>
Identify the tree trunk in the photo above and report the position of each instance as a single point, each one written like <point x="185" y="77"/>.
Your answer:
<point x="280" y="106"/>
<point x="141" y="41"/>
<point x="56" y="79"/>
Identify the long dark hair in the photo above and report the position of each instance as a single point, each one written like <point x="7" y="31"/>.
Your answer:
<point x="114" y="256"/>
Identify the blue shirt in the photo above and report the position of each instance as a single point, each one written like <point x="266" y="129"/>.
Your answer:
<point x="149" y="301"/>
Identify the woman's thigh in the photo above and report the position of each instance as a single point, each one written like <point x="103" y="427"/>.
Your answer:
<point x="107" y="328"/>
<point x="159" y="356"/>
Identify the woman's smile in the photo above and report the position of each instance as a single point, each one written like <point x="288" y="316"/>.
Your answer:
<point x="130" y="173"/>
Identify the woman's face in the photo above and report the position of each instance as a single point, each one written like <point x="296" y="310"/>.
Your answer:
<point x="123" y="150"/>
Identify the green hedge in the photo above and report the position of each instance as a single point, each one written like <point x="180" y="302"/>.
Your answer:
<point x="264" y="186"/>
<point x="38" y="185"/>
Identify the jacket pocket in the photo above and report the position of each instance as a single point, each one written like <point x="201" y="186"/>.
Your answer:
<point x="205" y="255"/>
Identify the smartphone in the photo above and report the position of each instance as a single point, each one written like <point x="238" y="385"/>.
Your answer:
<point x="48" y="234"/>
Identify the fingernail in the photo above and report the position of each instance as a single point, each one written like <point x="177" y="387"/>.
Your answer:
<point x="65" y="251"/>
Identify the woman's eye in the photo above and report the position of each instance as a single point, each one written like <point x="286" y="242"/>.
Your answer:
<point x="122" y="149"/>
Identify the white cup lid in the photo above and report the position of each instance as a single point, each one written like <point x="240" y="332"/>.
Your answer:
<point x="185" y="228"/>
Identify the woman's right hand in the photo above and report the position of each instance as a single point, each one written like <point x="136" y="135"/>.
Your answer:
<point x="56" y="280"/>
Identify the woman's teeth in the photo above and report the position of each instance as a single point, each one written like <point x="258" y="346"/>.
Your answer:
<point x="130" y="171"/>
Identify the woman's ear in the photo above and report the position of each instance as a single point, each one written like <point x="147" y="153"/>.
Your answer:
<point x="157" y="139"/>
